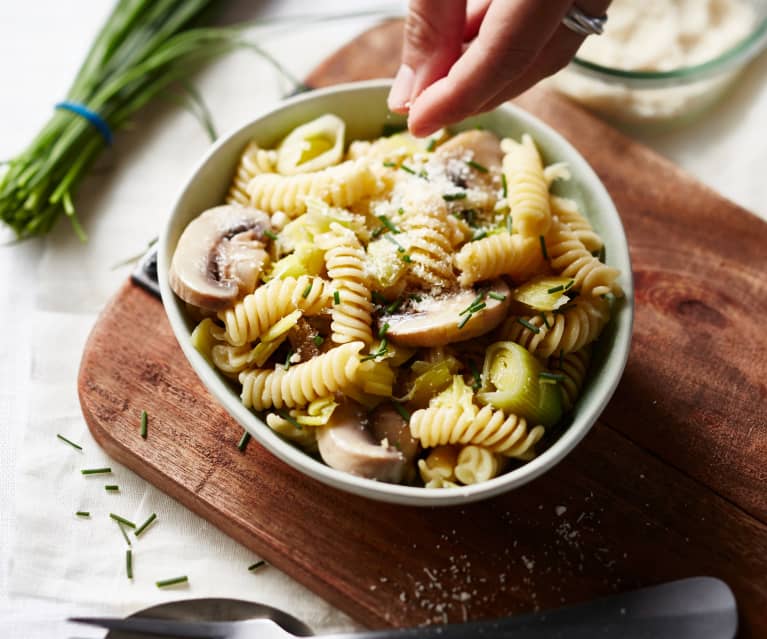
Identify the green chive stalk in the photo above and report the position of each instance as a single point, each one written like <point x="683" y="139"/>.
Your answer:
<point x="144" y="47"/>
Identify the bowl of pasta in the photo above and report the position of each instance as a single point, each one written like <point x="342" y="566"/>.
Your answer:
<point x="421" y="321"/>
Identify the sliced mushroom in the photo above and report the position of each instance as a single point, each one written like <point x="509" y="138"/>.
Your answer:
<point x="219" y="256"/>
<point x="480" y="147"/>
<point x="388" y="425"/>
<point x="455" y="317"/>
<point x="345" y="444"/>
<point x="303" y="340"/>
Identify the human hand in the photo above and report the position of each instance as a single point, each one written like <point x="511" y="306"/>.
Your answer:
<point x="512" y="44"/>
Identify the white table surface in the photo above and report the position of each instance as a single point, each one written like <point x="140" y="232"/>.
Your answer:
<point x="52" y="564"/>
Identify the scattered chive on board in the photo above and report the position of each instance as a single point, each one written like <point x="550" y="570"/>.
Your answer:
<point x="144" y="424"/>
<point x="111" y="488"/>
<point x="124" y="534"/>
<point x="95" y="471"/>
<point x="83" y="513"/>
<point x="242" y="444"/>
<point x="145" y="525"/>
<point x="129" y="563"/>
<point x="257" y="565"/>
<point x="70" y="442"/>
<point x="122" y="520"/>
<point x="172" y="582"/>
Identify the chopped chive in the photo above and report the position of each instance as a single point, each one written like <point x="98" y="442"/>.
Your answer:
<point x="400" y="248"/>
<point x="557" y="377"/>
<point x="242" y="444"/>
<point x="83" y="513"/>
<point x="257" y="565"/>
<point x="471" y="216"/>
<point x="307" y="290"/>
<point x="382" y="331"/>
<point x="122" y="520"/>
<point x="400" y="211"/>
<point x="96" y="471"/>
<point x="111" y="488"/>
<point x="545" y="321"/>
<point x="497" y="296"/>
<point x="569" y="284"/>
<point x="270" y="234"/>
<point x="423" y="174"/>
<point x="388" y="224"/>
<point x="389" y="164"/>
<point x="556" y="289"/>
<point x="504" y="185"/>
<point x="406" y="258"/>
<point x="376" y="232"/>
<point x="407" y="169"/>
<point x="145" y="525"/>
<point x="287" y="358"/>
<point x="475" y="374"/>
<point x="378" y="298"/>
<point x="394" y="306"/>
<point x="479" y="236"/>
<point x="318" y="340"/>
<point x="124" y="534"/>
<point x="452" y="197"/>
<point x="382" y="350"/>
<point x="477" y="308"/>
<point x="528" y="325"/>
<point x="543" y="247"/>
<point x="144" y="420"/>
<point x="509" y="222"/>
<point x="71" y="443"/>
<point x="172" y="582"/>
<point x="432" y="144"/>
<point x="129" y="563"/>
<point x="336" y="297"/>
<point x="477" y="165"/>
<point x="402" y="411"/>
<point x="464" y="321"/>
<point x="290" y="419"/>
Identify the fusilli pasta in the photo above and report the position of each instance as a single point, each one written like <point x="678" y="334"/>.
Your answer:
<point x="528" y="191"/>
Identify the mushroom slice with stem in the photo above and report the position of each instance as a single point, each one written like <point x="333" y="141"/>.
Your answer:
<point x="219" y="256"/>
<point x="346" y="444"/>
<point x="473" y="158"/>
<point x="454" y="317"/>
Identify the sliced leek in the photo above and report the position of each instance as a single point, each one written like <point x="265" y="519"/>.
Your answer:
<point x="313" y="146"/>
<point x="544" y="293"/>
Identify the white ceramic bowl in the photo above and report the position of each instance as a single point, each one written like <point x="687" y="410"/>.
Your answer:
<point x="363" y="107"/>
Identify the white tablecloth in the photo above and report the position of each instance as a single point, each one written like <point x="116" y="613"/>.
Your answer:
<point x="52" y="563"/>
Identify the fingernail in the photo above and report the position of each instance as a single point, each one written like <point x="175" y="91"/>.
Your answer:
<point x="399" y="96"/>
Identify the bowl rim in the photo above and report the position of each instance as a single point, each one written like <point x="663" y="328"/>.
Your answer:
<point x="612" y="369"/>
<point x="738" y="54"/>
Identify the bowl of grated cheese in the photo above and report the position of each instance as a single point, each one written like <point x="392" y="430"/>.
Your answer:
<point x="661" y="63"/>
<point x="239" y="342"/>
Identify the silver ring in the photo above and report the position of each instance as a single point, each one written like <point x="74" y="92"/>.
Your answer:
<point x="582" y="23"/>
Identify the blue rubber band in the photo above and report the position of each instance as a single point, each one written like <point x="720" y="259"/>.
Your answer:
<point x="94" y="118"/>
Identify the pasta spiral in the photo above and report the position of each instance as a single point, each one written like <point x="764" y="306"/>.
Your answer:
<point x="344" y="260"/>
<point x="567" y="331"/>
<point x="476" y="464"/>
<point x="341" y="185"/>
<point x="527" y="189"/>
<point x="517" y="256"/>
<point x="268" y="304"/>
<point x="508" y="436"/>
<point x="430" y="249"/>
<point x="438" y="469"/>
<point x="302" y="383"/>
<point x="567" y="211"/>
<point x="570" y="257"/>
<point x="574" y="367"/>
<point x="253" y="162"/>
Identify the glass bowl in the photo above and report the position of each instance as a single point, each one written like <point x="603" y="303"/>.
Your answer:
<point x="661" y="99"/>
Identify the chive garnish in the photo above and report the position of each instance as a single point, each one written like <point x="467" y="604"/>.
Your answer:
<point x="388" y="224"/>
<point x="389" y="164"/>
<point x="111" y="488"/>
<point x="477" y="165"/>
<point x="509" y="222"/>
<point x="124" y="534"/>
<point x="475" y="374"/>
<point x="307" y="290"/>
<point x="543" y="247"/>
<point x="144" y="420"/>
<point x="528" y="325"/>
<point x="402" y="411"/>
<point x="556" y="289"/>
<point x="497" y="296"/>
<point x="464" y="321"/>
<point x="569" y="284"/>
<point x="83" y="513"/>
<point x="477" y="308"/>
<point x="71" y="443"/>
<point x="129" y="563"/>
<point x="241" y="445"/>
<point x="470" y="215"/>
<point x="318" y="340"/>
<point x="504" y="185"/>
<point x="96" y="471"/>
<point x="432" y="144"/>
<point x="172" y="582"/>
<point x="145" y="525"/>
<point x="452" y="197"/>
<point x="406" y="258"/>
<point x="557" y="377"/>
<point x="382" y="331"/>
<point x="257" y="565"/>
<point x="394" y="306"/>
<point x="545" y="321"/>
<point x="290" y="419"/>
<point x="287" y="358"/>
<point x="122" y="520"/>
<point x="400" y="211"/>
<point x="336" y="297"/>
<point x="400" y="248"/>
<point x="270" y="234"/>
<point x="407" y="169"/>
<point x="479" y="235"/>
<point x="376" y="232"/>
<point x="378" y="298"/>
<point x="382" y="350"/>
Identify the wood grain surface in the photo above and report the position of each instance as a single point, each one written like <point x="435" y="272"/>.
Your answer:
<point x="671" y="482"/>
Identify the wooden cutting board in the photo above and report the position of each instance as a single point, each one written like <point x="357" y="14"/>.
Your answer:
<point x="671" y="481"/>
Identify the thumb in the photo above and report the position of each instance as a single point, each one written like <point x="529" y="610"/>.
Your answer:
<point x="433" y="42"/>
